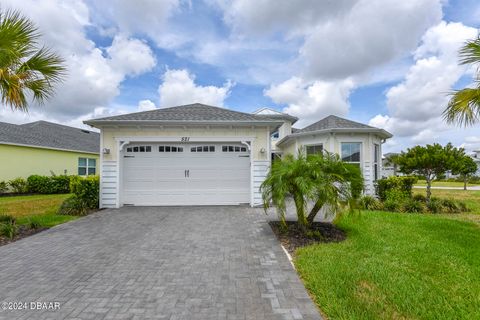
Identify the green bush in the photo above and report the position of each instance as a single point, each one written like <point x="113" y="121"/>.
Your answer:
<point x="86" y="190"/>
<point x="5" y="218"/>
<point x="402" y="184"/>
<point x="369" y="203"/>
<point x="420" y="197"/>
<point x="18" y="185"/>
<point x="85" y="196"/>
<point x="8" y="230"/>
<point x="435" y="205"/>
<point x="392" y="205"/>
<point x="3" y="187"/>
<point x="73" y="206"/>
<point x="414" y="206"/>
<point x="49" y="185"/>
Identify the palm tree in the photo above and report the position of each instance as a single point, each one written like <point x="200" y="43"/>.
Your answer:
<point x="322" y="179"/>
<point x="464" y="106"/>
<point x="27" y="70"/>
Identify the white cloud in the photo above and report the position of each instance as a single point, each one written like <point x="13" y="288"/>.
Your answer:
<point x="130" y="56"/>
<point x="416" y="104"/>
<point x="179" y="88"/>
<point x="312" y="101"/>
<point x="146" y="105"/>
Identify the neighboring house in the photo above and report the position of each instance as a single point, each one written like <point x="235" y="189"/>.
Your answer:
<point x="476" y="157"/>
<point x="204" y="155"/>
<point x="44" y="148"/>
<point x="389" y="169"/>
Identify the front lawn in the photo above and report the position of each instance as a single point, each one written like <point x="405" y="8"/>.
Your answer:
<point x="470" y="197"/>
<point x="396" y="266"/>
<point x="423" y="183"/>
<point x="41" y="208"/>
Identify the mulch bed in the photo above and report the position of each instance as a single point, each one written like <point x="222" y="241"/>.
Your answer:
<point x="23" y="231"/>
<point x="294" y="238"/>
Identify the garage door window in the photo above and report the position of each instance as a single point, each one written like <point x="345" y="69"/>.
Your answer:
<point x="234" y="149"/>
<point x="140" y="149"/>
<point x="170" y="149"/>
<point x="86" y="166"/>
<point x="202" y="149"/>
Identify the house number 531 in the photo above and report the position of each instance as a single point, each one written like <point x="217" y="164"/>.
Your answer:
<point x="185" y="139"/>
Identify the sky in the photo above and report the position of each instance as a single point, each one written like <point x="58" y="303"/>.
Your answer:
<point x="387" y="63"/>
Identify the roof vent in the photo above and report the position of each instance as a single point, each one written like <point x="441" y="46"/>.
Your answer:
<point x="85" y="131"/>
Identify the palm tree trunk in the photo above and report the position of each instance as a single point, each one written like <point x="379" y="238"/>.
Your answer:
<point x="300" y="207"/>
<point x="313" y="213"/>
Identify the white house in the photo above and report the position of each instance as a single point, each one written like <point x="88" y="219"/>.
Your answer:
<point x="203" y="155"/>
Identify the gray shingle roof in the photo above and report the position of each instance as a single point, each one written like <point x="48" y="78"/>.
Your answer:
<point x="187" y="113"/>
<point x="50" y="135"/>
<point x="334" y="122"/>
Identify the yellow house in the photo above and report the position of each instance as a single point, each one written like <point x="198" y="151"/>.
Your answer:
<point x="47" y="148"/>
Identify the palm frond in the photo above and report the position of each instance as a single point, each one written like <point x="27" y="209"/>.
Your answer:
<point x="470" y="52"/>
<point x="464" y="107"/>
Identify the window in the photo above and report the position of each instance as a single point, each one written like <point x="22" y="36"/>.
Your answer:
<point x="314" y="149"/>
<point x="140" y="149"/>
<point x="275" y="135"/>
<point x="170" y="149"/>
<point x="351" y="152"/>
<point x="203" y="149"/>
<point x="234" y="149"/>
<point x="376" y="160"/>
<point x="86" y="166"/>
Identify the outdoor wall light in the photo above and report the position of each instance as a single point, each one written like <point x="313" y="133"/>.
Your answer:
<point x="106" y="151"/>
<point x="262" y="150"/>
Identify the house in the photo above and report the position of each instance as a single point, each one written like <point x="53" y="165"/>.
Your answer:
<point x="44" y="148"/>
<point x="476" y="157"/>
<point x="389" y="168"/>
<point x="203" y="155"/>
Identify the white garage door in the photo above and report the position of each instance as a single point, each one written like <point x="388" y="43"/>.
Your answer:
<point x="186" y="174"/>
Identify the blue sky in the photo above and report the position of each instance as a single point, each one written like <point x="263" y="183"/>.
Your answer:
<point x="383" y="62"/>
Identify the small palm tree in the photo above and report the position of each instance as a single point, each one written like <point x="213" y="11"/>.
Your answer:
<point x="322" y="179"/>
<point x="26" y="70"/>
<point x="464" y="106"/>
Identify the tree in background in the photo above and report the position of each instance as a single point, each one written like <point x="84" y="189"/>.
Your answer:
<point x="27" y="70"/>
<point x="429" y="161"/>
<point x="322" y="179"/>
<point x="465" y="167"/>
<point x="464" y="105"/>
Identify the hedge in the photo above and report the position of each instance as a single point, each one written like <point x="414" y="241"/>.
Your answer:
<point x="400" y="184"/>
<point x="86" y="190"/>
<point x="49" y="184"/>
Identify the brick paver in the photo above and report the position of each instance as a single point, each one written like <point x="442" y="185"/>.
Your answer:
<point x="155" y="263"/>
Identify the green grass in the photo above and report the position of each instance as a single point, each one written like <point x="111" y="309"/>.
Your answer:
<point x="41" y="208"/>
<point x="471" y="198"/>
<point x="396" y="266"/>
<point x="444" y="184"/>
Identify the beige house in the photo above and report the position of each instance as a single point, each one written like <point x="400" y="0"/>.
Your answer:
<point x="204" y="155"/>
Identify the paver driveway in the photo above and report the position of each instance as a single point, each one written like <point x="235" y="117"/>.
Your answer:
<point x="156" y="263"/>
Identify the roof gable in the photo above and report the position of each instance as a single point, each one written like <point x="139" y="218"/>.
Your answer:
<point x="196" y="112"/>
<point x="334" y="122"/>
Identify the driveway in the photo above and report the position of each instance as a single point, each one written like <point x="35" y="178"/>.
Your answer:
<point x="155" y="263"/>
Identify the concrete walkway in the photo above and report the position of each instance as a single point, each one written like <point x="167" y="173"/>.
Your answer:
<point x="155" y="263"/>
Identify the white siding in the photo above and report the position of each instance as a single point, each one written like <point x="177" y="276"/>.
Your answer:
<point x="259" y="172"/>
<point x="108" y="184"/>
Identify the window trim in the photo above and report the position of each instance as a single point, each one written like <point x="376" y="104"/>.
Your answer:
<point x="376" y="161"/>
<point x="87" y="167"/>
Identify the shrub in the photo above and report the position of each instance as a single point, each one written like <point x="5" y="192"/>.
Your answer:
<point x="392" y="205"/>
<point x="435" y="205"/>
<point x="450" y="206"/>
<point x="5" y="218"/>
<point x="420" y="197"/>
<point x="34" y="223"/>
<point x="369" y="203"/>
<point x="86" y="190"/>
<point x="414" y="206"/>
<point x="8" y="230"/>
<point x="49" y="185"/>
<point x="18" y="185"/>
<point x="73" y="206"/>
<point x="3" y="187"/>
<point x="402" y="184"/>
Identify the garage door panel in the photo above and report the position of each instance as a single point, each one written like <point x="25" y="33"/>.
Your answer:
<point x="159" y="178"/>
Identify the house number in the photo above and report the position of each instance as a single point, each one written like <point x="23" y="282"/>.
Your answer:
<point x="185" y="139"/>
